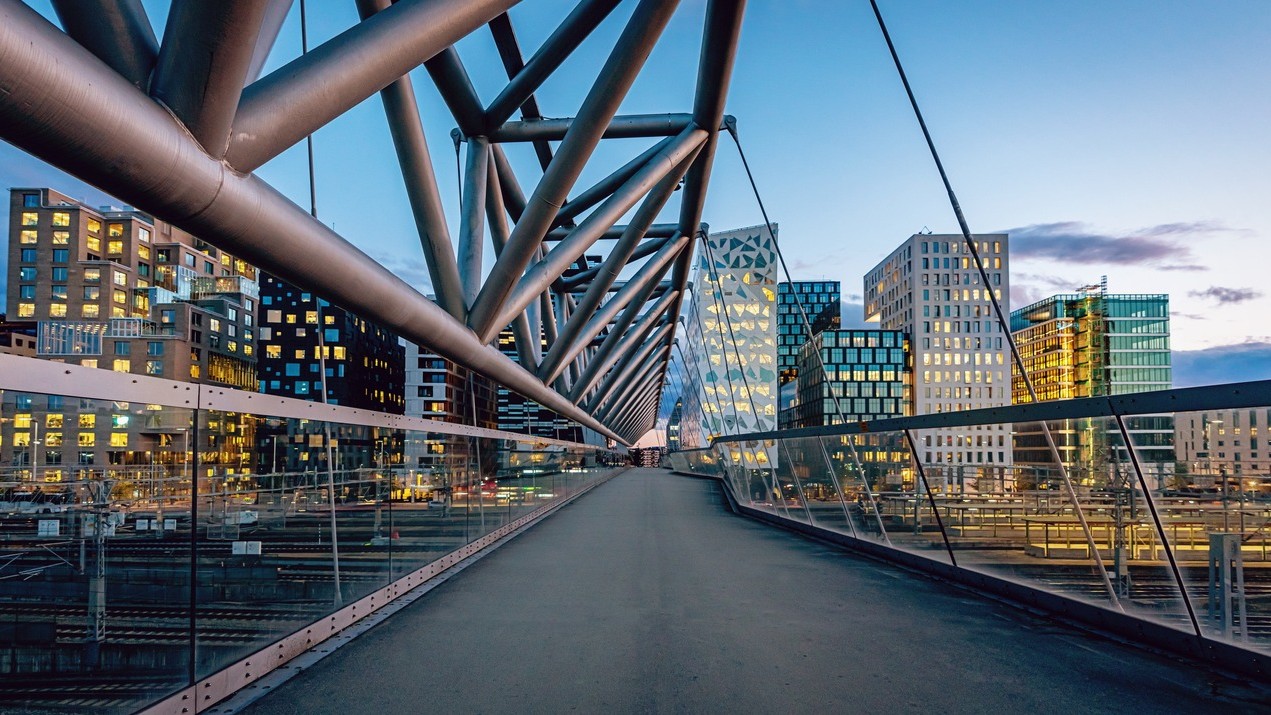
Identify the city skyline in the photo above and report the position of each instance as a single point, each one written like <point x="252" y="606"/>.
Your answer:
<point x="1106" y="140"/>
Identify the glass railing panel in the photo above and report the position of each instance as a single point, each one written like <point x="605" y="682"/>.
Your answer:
<point x="1217" y="506"/>
<point x="94" y="557"/>
<point x="820" y="487"/>
<point x="789" y="469"/>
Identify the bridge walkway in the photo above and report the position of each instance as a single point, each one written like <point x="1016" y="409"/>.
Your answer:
<point x="648" y="596"/>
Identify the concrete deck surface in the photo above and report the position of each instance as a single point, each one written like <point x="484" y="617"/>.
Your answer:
<point x="648" y="596"/>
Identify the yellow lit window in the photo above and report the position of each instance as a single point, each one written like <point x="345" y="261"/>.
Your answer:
<point x="88" y="362"/>
<point x="328" y="319"/>
<point x="311" y="317"/>
<point x="273" y="351"/>
<point x="121" y="297"/>
<point x="93" y="243"/>
<point x="233" y="346"/>
<point x="247" y="350"/>
<point x="61" y="238"/>
<point x="30" y="218"/>
<point x="88" y="421"/>
<point x="122" y="365"/>
<point x="53" y="439"/>
<point x="22" y="421"/>
<point x="118" y="311"/>
<point x="339" y="352"/>
<point x="115" y="230"/>
<point x="28" y="237"/>
<point x="92" y="275"/>
<point x="114" y="247"/>
<point x="300" y="354"/>
<point x="195" y="372"/>
<point x="291" y="318"/>
<point x="26" y="310"/>
<point x="57" y="310"/>
<point x="21" y="439"/>
<point x="94" y="226"/>
<point x="87" y="439"/>
<point x="61" y="218"/>
<point x="90" y="310"/>
<point x="143" y="252"/>
<point x="225" y="260"/>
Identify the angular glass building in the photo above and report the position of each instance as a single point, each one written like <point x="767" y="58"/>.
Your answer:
<point x="730" y="338"/>
<point x="819" y="301"/>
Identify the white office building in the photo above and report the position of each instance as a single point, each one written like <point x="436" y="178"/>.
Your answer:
<point x="930" y="288"/>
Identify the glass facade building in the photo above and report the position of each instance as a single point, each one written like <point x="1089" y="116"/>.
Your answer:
<point x="820" y="301"/>
<point x="866" y="377"/>
<point x="1091" y="344"/>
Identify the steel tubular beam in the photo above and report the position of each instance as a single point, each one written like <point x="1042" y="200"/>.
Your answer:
<point x="634" y="293"/>
<point x="637" y="372"/>
<point x="646" y="248"/>
<point x="456" y="89"/>
<point x="68" y="108"/>
<point x="543" y="273"/>
<point x="203" y="64"/>
<point x="299" y="98"/>
<point x="118" y="32"/>
<point x="472" y="223"/>
<point x="629" y="362"/>
<point x="510" y="52"/>
<point x="559" y="45"/>
<point x="714" y="72"/>
<point x="627" y="421"/>
<point x="616" y="77"/>
<point x="275" y="15"/>
<point x="622" y="341"/>
<point x="613" y="265"/>
<point x="525" y="330"/>
<point x="402" y="113"/>
<point x="629" y="126"/>
<point x="606" y="186"/>
<point x="657" y="230"/>
<point x="513" y="197"/>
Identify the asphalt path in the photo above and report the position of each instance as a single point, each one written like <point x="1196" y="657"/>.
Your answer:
<point x="648" y="596"/>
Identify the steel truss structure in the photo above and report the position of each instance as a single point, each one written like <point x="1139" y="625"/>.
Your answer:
<point x="176" y="128"/>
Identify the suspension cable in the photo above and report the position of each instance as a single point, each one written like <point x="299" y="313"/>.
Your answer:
<point x="997" y="306"/>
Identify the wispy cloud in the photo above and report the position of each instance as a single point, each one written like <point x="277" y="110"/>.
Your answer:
<point x="1226" y="296"/>
<point x="1164" y="245"/>
<point x="411" y="269"/>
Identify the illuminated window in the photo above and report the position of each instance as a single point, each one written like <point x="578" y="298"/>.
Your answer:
<point x="90" y="310"/>
<point x="154" y="367"/>
<point x="233" y="346"/>
<point x="28" y="237"/>
<point x="61" y="238"/>
<point x="119" y="439"/>
<point x="114" y="247"/>
<point x="120" y="278"/>
<point x="87" y="439"/>
<point x="22" y="421"/>
<point x="26" y="310"/>
<point x="121" y="297"/>
<point x="21" y="439"/>
<point x="214" y="324"/>
<point x="61" y="218"/>
<point x="119" y="421"/>
<point x="247" y="350"/>
<point x="143" y="252"/>
<point x="144" y="234"/>
<point x="122" y="365"/>
<point x="53" y="439"/>
<point x="89" y="362"/>
<point x="92" y="275"/>
<point x="30" y="218"/>
<point x="93" y="243"/>
<point x="118" y="311"/>
<point x="339" y="352"/>
<point x="195" y="372"/>
<point x="273" y="351"/>
<point x="311" y="316"/>
<point x="57" y="310"/>
<point x="115" y="230"/>
<point x="94" y="226"/>
<point x="291" y="318"/>
<point x="328" y="319"/>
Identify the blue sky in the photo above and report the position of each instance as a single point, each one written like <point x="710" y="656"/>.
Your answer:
<point x="1119" y="138"/>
